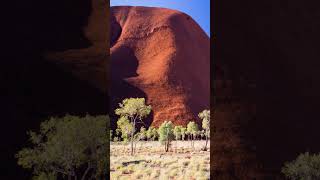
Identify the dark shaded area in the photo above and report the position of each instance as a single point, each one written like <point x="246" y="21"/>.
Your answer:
<point x="124" y="65"/>
<point x="271" y="52"/>
<point x="115" y="31"/>
<point x="32" y="88"/>
<point x="133" y="162"/>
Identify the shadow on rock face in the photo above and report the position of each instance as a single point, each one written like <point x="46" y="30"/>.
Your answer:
<point x="124" y="65"/>
<point x="115" y="31"/>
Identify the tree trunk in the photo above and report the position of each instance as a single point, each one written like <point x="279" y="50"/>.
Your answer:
<point x="86" y="172"/>
<point x="167" y="145"/>
<point x="135" y="147"/>
<point x="205" y="147"/>
<point x="132" y="134"/>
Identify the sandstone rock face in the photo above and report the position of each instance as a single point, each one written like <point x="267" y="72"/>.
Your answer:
<point x="164" y="56"/>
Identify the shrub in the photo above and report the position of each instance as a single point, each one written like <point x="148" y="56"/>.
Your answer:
<point x="70" y="146"/>
<point x="305" y="167"/>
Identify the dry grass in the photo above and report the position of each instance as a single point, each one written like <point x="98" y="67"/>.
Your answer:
<point x="151" y="162"/>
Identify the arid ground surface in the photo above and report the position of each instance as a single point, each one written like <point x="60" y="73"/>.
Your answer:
<point x="151" y="162"/>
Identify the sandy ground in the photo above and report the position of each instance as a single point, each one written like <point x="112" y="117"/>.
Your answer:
<point x="150" y="162"/>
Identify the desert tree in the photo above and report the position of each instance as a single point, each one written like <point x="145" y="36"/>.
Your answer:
<point x="125" y="128"/>
<point x="155" y="134"/>
<point x="134" y="109"/>
<point x="149" y="133"/>
<point x="152" y="133"/>
<point x="305" y="167"/>
<point x="177" y="132"/>
<point x="183" y="133"/>
<point x="142" y="133"/>
<point x="205" y="116"/>
<point x="202" y="134"/>
<point x="166" y="134"/>
<point x="117" y="135"/>
<point x="192" y="129"/>
<point x="68" y="147"/>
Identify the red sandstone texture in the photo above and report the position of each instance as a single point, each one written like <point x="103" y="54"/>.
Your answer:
<point x="164" y="56"/>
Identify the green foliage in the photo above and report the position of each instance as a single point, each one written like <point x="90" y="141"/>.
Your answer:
<point x="155" y="134"/>
<point x="166" y="131"/>
<point x="152" y="133"/>
<point x="183" y="131"/>
<point x="202" y="133"/>
<point x="142" y="133"/>
<point x="124" y="127"/>
<point x="133" y="109"/>
<point x="66" y="146"/>
<point x="177" y="132"/>
<point x="149" y="133"/>
<point x="205" y="116"/>
<point x="45" y="176"/>
<point x="305" y="167"/>
<point x="166" y="134"/>
<point x="192" y="128"/>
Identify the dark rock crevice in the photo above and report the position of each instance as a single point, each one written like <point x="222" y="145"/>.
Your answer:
<point x="115" y="31"/>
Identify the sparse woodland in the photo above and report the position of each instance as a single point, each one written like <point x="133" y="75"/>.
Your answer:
<point x="79" y="148"/>
<point x="133" y="110"/>
<point x="163" y="152"/>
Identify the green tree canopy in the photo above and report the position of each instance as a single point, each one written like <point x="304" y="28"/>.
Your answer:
<point x="142" y="133"/>
<point x="205" y="116"/>
<point x="192" y="129"/>
<point x="135" y="110"/>
<point x="70" y="146"/>
<point x="177" y="132"/>
<point x="305" y="167"/>
<point x="124" y="127"/>
<point x="166" y="134"/>
<point x="183" y="132"/>
<point x="149" y="133"/>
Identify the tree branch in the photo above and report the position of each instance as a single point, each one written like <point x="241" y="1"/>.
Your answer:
<point x="86" y="172"/>
<point x="62" y="171"/>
